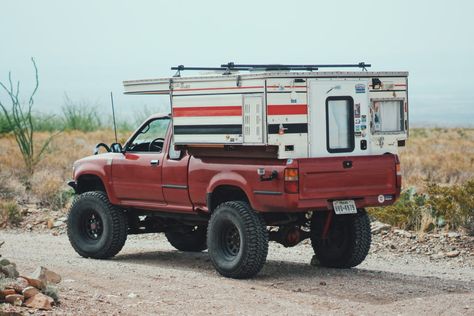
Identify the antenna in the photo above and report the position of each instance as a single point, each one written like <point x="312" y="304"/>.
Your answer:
<point x="113" y="115"/>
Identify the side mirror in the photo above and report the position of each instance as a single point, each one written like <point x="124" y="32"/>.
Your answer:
<point x="116" y="148"/>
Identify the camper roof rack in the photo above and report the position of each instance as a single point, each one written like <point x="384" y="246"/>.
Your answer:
<point x="227" y="68"/>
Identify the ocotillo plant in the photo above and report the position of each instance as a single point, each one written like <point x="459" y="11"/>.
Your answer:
<point x="20" y="121"/>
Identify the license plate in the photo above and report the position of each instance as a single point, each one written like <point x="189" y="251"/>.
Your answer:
<point x="344" y="207"/>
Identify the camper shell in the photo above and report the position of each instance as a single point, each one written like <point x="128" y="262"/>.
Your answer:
<point x="285" y="114"/>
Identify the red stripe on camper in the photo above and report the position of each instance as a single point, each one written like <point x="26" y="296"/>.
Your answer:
<point x="287" y="109"/>
<point x="208" y="111"/>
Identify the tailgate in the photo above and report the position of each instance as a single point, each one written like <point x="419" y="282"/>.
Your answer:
<point x="347" y="177"/>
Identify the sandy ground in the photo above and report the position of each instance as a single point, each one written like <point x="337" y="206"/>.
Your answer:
<point x="149" y="277"/>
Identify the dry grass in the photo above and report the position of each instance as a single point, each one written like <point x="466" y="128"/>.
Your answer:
<point x="442" y="156"/>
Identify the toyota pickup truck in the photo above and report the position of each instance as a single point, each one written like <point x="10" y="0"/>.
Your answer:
<point x="231" y="205"/>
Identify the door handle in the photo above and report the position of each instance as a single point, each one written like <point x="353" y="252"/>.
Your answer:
<point x="154" y="162"/>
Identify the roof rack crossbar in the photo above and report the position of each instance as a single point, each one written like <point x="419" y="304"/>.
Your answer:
<point x="248" y="67"/>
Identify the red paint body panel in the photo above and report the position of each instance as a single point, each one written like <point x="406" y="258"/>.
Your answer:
<point x="182" y="185"/>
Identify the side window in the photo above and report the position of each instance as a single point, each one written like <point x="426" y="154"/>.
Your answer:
<point x="340" y="124"/>
<point x="151" y="137"/>
<point x="387" y="116"/>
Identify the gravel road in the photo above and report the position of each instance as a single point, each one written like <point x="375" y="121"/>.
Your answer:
<point x="149" y="277"/>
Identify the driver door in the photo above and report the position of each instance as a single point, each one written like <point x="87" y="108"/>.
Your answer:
<point x="136" y="176"/>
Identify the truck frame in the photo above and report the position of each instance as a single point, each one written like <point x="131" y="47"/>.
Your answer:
<point x="282" y="153"/>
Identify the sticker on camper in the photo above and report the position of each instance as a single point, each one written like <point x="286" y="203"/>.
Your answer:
<point x="357" y="110"/>
<point x="363" y="118"/>
<point x="360" y="88"/>
<point x="357" y="129"/>
<point x="357" y="121"/>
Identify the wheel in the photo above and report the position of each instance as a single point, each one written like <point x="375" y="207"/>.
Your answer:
<point x="96" y="228"/>
<point x="348" y="240"/>
<point x="237" y="239"/>
<point x="193" y="240"/>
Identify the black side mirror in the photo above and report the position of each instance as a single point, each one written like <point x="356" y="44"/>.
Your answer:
<point x="116" y="148"/>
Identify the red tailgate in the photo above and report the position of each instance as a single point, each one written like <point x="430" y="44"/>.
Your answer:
<point x="347" y="177"/>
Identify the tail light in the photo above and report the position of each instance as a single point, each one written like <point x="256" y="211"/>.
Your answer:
<point x="398" y="174"/>
<point x="291" y="180"/>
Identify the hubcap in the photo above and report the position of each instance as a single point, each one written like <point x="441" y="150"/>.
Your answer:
<point x="230" y="241"/>
<point x="93" y="226"/>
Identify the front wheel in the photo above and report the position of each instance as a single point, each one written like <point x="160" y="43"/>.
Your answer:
<point x="237" y="238"/>
<point x="347" y="242"/>
<point x="96" y="228"/>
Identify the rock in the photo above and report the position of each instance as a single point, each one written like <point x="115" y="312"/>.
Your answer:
<point x="452" y="254"/>
<point x="392" y="246"/>
<point x="4" y="262"/>
<point x="62" y="219"/>
<point x="15" y="299"/>
<point x="40" y="301"/>
<point x="20" y="284"/>
<point x="30" y="291"/>
<point x="403" y="233"/>
<point x="322" y="283"/>
<point x="315" y="262"/>
<point x="132" y="295"/>
<point x="377" y="227"/>
<point x="46" y="276"/>
<point x="6" y="292"/>
<point x="35" y="283"/>
<point x="58" y="223"/>
<point x="454" y="235"/>
<point x="50" y="223"/>
<point x="9" y="270"/>
<point x="437" y="256"/>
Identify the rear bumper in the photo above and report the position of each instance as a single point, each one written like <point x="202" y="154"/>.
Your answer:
<point x="290" y="203"/>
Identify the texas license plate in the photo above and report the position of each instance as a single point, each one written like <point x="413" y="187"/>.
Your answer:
<point x="344" y="207"/>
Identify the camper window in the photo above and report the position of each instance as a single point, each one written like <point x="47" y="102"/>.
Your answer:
<point x="387" y="116"/>
<point x="340" y="124"/>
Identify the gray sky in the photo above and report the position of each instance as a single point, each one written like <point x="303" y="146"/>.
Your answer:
<point x="86" y="48"/>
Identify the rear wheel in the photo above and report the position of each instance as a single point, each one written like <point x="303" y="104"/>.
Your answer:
<point x="96" y="228"/>
<point x="193" y="240"/>
<point x="237" y="239"/>
<point x="348" y="240"/>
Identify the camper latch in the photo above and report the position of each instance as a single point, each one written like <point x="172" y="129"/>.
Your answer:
<point x="281" y="129"/>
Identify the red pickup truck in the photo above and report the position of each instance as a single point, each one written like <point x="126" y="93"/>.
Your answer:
<point x="231" y="205"/>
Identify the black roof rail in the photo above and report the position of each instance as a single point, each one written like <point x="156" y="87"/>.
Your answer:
<point x="247" y="67"/>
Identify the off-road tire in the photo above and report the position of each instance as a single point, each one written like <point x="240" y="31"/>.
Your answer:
<point x="112" y="220"/>
<point x="348" y="241"/>
<point x="229" y="220"/>
<point x="193" y="241"/>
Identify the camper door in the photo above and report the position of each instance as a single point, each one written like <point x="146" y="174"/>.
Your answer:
<point x="338" y="117"/>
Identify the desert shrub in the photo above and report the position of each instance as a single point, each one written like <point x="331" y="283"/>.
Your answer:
<point x="80" y="116"/>
<point x="10" y="213"/>
<point x="19" y="119"/>
<point x="52" y="291"/>
<point x="451" y="207"/>
<point x="4" y="126"/>
<point x="48" y="123"/>
<point x="48" y="187"/>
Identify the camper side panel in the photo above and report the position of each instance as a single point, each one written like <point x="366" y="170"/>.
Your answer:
<point x="287" y="116"/>
<point x="211" y="112"/>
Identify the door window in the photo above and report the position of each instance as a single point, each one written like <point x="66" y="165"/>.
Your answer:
<point x="340" y="124"/>
<point x="151" y="137"/>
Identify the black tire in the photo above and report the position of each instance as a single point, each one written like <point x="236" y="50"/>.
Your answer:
<point x="348" y="240"/>
<point x="237" y="239"/>
<point x="194" y="240"/>
<point x="95" y="228"/>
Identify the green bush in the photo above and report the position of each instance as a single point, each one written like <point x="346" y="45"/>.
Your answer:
<point x="451" y="207"/>
<point x="80" y="116"/>
<point x="10" y="213"/>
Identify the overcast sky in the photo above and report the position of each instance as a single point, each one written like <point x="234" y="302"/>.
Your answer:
<point x="86" y="48"/>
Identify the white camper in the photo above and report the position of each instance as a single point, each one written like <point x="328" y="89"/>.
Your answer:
<point x="296" y="110"/>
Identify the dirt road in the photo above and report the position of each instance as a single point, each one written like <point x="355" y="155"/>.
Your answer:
<point x="150" y="277"/>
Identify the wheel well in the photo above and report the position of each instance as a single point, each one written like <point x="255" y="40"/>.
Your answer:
<point x="89" y="182"/>
<point x="223" y="194"/>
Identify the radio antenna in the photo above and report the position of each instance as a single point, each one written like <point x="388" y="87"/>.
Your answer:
<point x="113" y="115"/>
